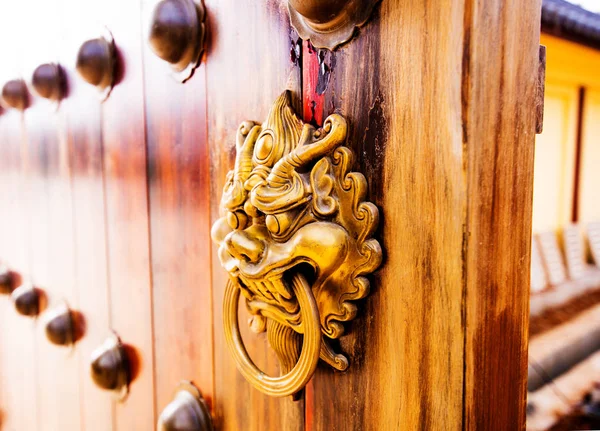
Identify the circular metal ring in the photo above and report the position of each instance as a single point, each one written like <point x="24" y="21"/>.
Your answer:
<point x="297" y="377"/>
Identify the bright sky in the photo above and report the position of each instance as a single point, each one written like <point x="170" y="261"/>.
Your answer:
<point x="593" y="5"/>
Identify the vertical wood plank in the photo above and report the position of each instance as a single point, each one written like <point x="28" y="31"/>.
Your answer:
<point x="52" y="235"/>
<point x="18" y="374"/>
<point x="398" y="84"/>
<point x="178" y="178"/>
<point x="253" y="57"/>
<point x="7" y="323"/>
<point x="499" y="87"/>
<point x="18" y="346"/>
<point x="451" y="123"/>
<point x="123" y="131"/>
<point x="84" y="141"/>
<point x="53" y="261"/>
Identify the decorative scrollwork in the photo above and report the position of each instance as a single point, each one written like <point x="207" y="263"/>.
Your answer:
<point x="296" y="240"/>
<point x="329" y="23"/>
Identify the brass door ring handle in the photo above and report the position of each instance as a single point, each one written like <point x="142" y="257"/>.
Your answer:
<point x="293" y="381"/>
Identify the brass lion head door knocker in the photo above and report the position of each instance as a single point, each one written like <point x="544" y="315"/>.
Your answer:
<point x="296" y="240"/>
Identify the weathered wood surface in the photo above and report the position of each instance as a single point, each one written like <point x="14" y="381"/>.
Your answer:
<point x="499" y="84"/>
<point x="127" y="218"/>
<point x="444" y="131"/>
<point x="406" y="345"/>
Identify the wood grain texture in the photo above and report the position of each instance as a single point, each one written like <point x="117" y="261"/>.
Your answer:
<point x="252" y="57"/>
<point x="398" y="84"/>
<point x="178" y="178"/>
<point x="499" y="90"/>
<point x="418" y="91"/>
<point x="127" y="219"/>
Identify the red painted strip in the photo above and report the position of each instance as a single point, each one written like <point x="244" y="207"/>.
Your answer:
<point x="312" y="110"/>
<point x="312" y="103"/>
<point x="309" y="406"/>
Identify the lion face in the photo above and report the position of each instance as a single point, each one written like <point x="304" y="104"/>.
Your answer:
<point x="292" y="204"/>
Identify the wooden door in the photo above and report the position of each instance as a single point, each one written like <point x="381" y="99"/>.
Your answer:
<point x="109" y="206"/>
<point x="426" y="88"/>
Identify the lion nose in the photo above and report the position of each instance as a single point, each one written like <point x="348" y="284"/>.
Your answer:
<point x="244" y="247"/>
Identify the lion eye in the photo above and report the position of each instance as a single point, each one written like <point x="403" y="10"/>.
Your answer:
<point x="278" y="224"/>
<point x="263" y="148"/>
<point x="237" y="220"/>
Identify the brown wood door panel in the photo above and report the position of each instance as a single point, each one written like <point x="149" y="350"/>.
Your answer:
<point x="396" y="83"/>
<point x="52" y="236"/>
<point x="178" y="181"/>
<point x="84" y="140"/>
<point x="435" y="124"/>
<point x="9" y="124"/>
<point x="249" y="65"/>
<point x="128" y="240"/>
<point x="53" y="262"/>
<point x="109" y="206"/>
<point x="499" y="117"/>
<point x="18" y="403"/>
<point x="18" y="376"/>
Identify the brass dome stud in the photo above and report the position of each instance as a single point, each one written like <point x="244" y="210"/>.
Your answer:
<point x="15" y="94"/>
<point x="187" y="412"/>
<point x="60" y="326"/>
<point x="321" y="11"/>
<point x="49" y="81"/>
<point x="96" y="62"/>
<point x="27" y="300"/>
<point x="177" y="33"/>
<point x="6" y="280"/>
<point x="109" y="367"/>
